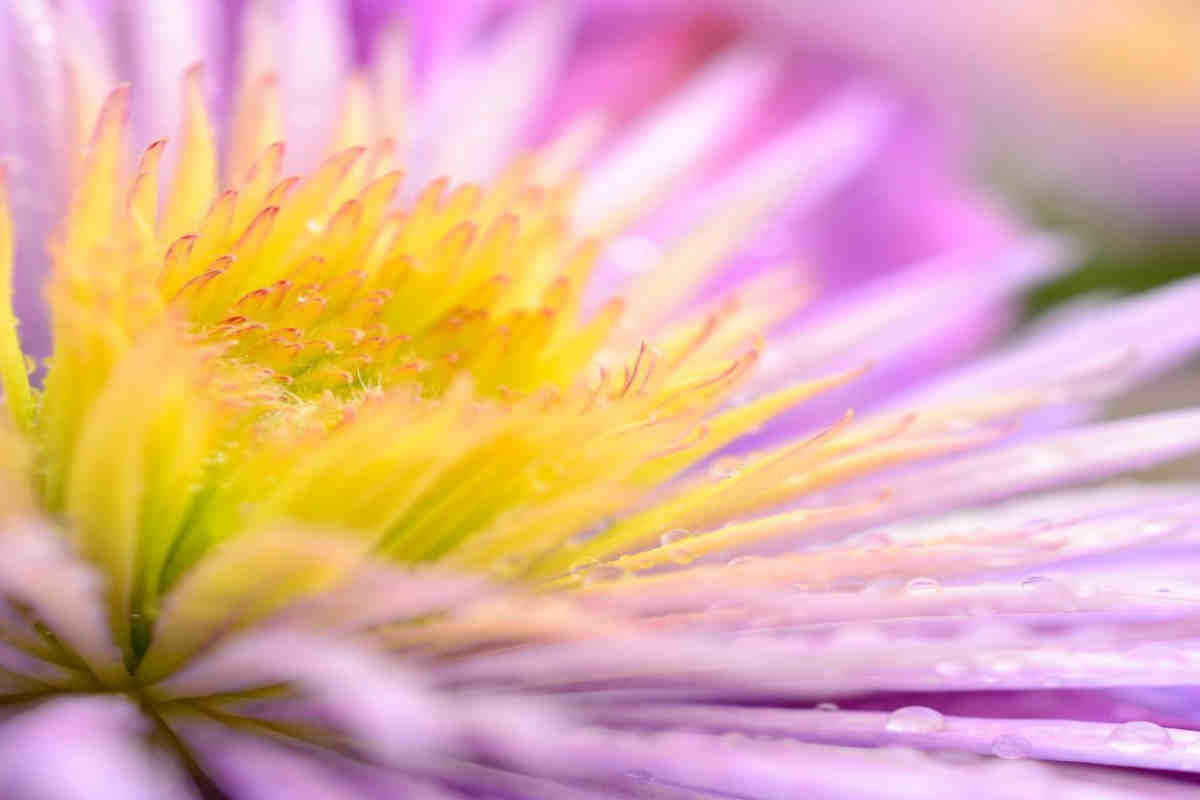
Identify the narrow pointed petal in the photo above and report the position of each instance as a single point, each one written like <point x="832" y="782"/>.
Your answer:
<point x="1130" y="744"/>
<point x="165" y="40"/>
<point x="1149" y="333"/>
<point x="645" y="164"/>
<point x="507" y="83"/>
<point x="313" y="49"/>
<point x="1082" y="454"/>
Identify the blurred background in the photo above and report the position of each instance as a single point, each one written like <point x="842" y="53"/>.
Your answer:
<point x="1086" y="110"/>
<point x="1084" y="113"/>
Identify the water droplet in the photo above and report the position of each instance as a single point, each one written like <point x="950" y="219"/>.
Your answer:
<point x="680" y="554"/>
<point x="674" y="550"/>
<point x="1043" y="459"/>
<point x="1050" y="540"/>
<point x="1050" y="591"/>
<point x="671" y="537"/>
<point x="745" y="561"/>
<point x="727" y="467"/>
<point x="877" y="539"/>
<point x="848" y="584"/>
<point x="1036" y="583"/>
<point x="314" y="225"/>
<point x="1139" y="737"/>
<point x="1011" y="745"/>
<point x="922" y="587"/>
<point x="915" y="719"/>
<point x="1003" y="663"/>
<point x="604" y="573"/>
<point x="886" y="586"/>
<point x="580" y="567"/>
<point x="827" y="707"/>
<point x="585" y="535"/>
<point x="1098" y="594"/>
<point x="950" y="669"/>
<point x="1154" y="527"/>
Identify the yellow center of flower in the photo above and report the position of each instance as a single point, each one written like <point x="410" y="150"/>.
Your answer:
<point x="236" y="368"/>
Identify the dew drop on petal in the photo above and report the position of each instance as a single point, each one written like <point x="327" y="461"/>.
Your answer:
<point x="727" y="467"/>
<point x="886" y="586"/>
<point x="915" y="719"/>
<point x="1050" y="540"/>
<point x="674" y="550"/>
<point x="681" y="555"/>
<point x="1011" y="745"/>
<point x="1139" y="737"/>
<point x="848" y="584"/>
<point x="745" y="561"/>
<point x="950" y="669"/>
<point x="922" y="587"/>
<point x="877" y="539"/>
<point x="1003" y="663"/>
<point x="1036" y="583"/>
<point x="671" y="537"/>
<point x="604" y="573"/>
<point x="582" y="537"/>
<point x="1049" y="590"/>
<point x="826" y="707"/>
<point x="580" y="567"/>
<point x="1154" y="527"/>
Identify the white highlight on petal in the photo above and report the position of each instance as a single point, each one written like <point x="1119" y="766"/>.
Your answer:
<point x="498" y="93"/>
<point x="1077" y="455"/>
<point x="659" y="151"/>
<point x="313" y="47"/>
<point x="164" y="40"/>
<point x="889" y="318"/>
<point x="796" y="168"/>
<point x="1156" y="329"/>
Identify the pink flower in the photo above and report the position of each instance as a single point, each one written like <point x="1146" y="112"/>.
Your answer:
<point x="539" y="482"/>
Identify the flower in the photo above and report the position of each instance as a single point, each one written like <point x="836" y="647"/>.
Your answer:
<point x="326" y="496"/>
